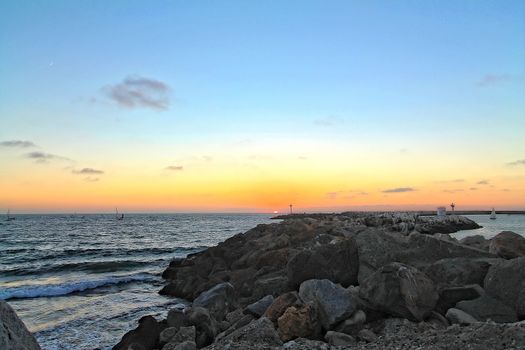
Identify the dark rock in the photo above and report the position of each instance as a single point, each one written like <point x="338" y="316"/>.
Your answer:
<point x="456" y="272"/>
<point x="259" y="334"/>
<point x="339" y="339"/>
<point x="400" y="290"/>
<point x="205" y="325"/>
<point x="476" y="241"/>
<point x="506" y="281"/>
<point x="258" y="308"/>
<point x="280" y="304"/>
<point x="146" y="334"/>
<point x="334" y="302"/>
<point x="184" y="334"/>
<point x="486" y="308"/>
<point x="448" y="297"/>
<point x="186" y="345"/>
<point x="367" y="335"/>
<point x="166" y="335"/>
<point x="457" y="316"/>
<point x="337" y="262"/>
<point x="13" y="333"/>
<point x="219" y="300"/>
<point x="353" y="324"/>
<point x="508" y="245"/>
<point x="177" y="318"/>
<point x="300" y="322"/>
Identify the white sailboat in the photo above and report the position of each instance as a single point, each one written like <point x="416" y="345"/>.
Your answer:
<point x="493" y="215"/>
<point x="118" y="216"/>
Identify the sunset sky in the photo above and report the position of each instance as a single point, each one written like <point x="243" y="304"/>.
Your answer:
<point x="248" y="106"/>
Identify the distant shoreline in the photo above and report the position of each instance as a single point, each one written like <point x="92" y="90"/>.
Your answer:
<point x="419" y="212"/>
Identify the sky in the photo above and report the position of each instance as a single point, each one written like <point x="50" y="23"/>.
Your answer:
<point x="249" y="106"/>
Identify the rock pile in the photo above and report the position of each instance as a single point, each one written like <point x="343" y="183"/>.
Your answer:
<point x="339" y="281"/>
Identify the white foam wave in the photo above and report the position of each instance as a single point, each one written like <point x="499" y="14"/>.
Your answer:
<point x="50" y="290"/>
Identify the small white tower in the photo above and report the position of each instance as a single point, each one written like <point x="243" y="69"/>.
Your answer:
<point x="441" y="212"/>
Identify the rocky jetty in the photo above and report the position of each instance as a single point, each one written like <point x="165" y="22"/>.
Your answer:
<point x="13" y="333"/>
<point x="351" y="280"/>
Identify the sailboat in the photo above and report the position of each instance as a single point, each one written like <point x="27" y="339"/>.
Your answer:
<point x="9" y="217"/>
<point x="118" y="216"/>
<point x="493" y="215"/>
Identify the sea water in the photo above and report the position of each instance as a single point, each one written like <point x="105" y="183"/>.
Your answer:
<point x="81" y="281"/>
<point x="490" y="228"/>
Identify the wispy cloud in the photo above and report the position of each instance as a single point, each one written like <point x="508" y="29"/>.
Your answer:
<point x="88" y="171"/>
<point x="454" y="190"/>
<point x="136" y="92"/>
<point x="450" y="181"/>
<point x="493" y="79"/>
<point x="329" y="121"/>
<point x="174" y="168"/>
<point x="483" y="182"/>
<point x="399" y="190"/>
<point x="17" y="144"/>
<point x="517" y="162"/>
<point x="473" y="188"/>
<point x="42" y="157"/>
<point x="91" y="179"/>
<point x="345" y="194"/>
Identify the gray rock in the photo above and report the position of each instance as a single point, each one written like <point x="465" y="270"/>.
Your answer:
<point x="205" y="325"/>
<point x="146" y="335"/>
<point x="400" y="290"/>
<point x="13" y="333"/>
<point x="166" y="335"/>
<point x="184" y="334"/>
<point x="334" y="302"/>
<point x="219" y="300"/>
<point x="457" y="316"/>
<point x="508" y="245"/>
<point x="367" y="335"/>
<point x="258" y="308"/>
<point x="339" y="339"/>
<point x="506" y="281"/>
<point x="456" y="272"/>
<point x="476" y="241"/>
<point x="353" y="324"/>
<point x="187" y="345"/>
<point x="486" y="308"/>
<point x="177" y="318"/>
<point x="448" y="297"/>
<point x="260" y="332"/>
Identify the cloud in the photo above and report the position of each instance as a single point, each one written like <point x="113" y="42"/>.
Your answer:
<point x="493" y="79"/>
<point x="88" y="171"/>
<point x="91" y="179"/>
<point x="329" y="121"/>
<point x="473" y="188"/>
<point x="517" y="162"/>
<point x="174" y="168"/>
<point x="483" y="182"/>
<point x="345" y="194"/>
<point x="17" y="144"/>
<point x="42" y="157"/>
<point x="450" y="181"/>
<point x="136" y="92"/>
<point x="453" y="191"/>
<point x="399" y="190"/>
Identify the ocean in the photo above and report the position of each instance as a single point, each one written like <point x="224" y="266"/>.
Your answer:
<point x="81" y="281"/>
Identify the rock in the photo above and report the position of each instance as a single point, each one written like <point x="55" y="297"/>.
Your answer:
<point x="339" y="339"/>
<point x="457" y="316"/>
<point x="486" y="308"/>
<point x="258" y="308"/>
<point x="334" y="302"/>
<point x="508" y="245"/>
<point x="459" y="271"/>
<point x="476" y="241"/>
<point x="506" y="281"/>
<point x="400" y="290"/>
<point x="219" y="300"/>
<point x="273" y="284"/>
<point x="367" y="335"/>
<point x="259" y="334"/>
<point x="205" y="325"/>
<point x="299" y="322"/>
<point x="280" y="304"/>
<point x="448" y="297"/>
<point x="177" y="318"/>
<point x="353" y="324"/>
<point x="146" y="335"/>
<point x="184" y="334"/>
<point x="187" y="345"/>
<point x="14" y="335"/>
<point x="166" y="335"/>
<point x="337" y="261"/>
<point x="306" y="344"/>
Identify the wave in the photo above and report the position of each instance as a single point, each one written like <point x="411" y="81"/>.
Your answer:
<point x="52" y="290"/>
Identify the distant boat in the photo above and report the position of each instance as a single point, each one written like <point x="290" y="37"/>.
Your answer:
<point x="118" y="216"/>
<point x="493" y="215"/>
<point x="9" y="217"/>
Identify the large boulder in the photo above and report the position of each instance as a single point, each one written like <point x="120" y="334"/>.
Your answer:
<point x="259" y="334"/>
<point x="457" y="316"/>
<point x="13" y="333"/>
<point x="337" y="261"/>
<point x="184" y="334"/>
<point x="205" y="325"/>
<point x="508" y="245"/>
<point x="219" y="300"/>
<point x="476" y="241"/>
<point x="486" y="308"/>
<point x="146" y="335"/>
<point x="454" y="272"/>
<point x="280" y="304"/>
<point x="300" y="322"/>
<point x="400" y="290"/>
<point x="258" y="308"/>
<point x="449" y="297"/>
<point x="506" y="281"/>
<point x="334" y="302"/>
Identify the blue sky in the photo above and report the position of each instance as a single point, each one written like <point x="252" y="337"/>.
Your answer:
<point x="391" y="75"/>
